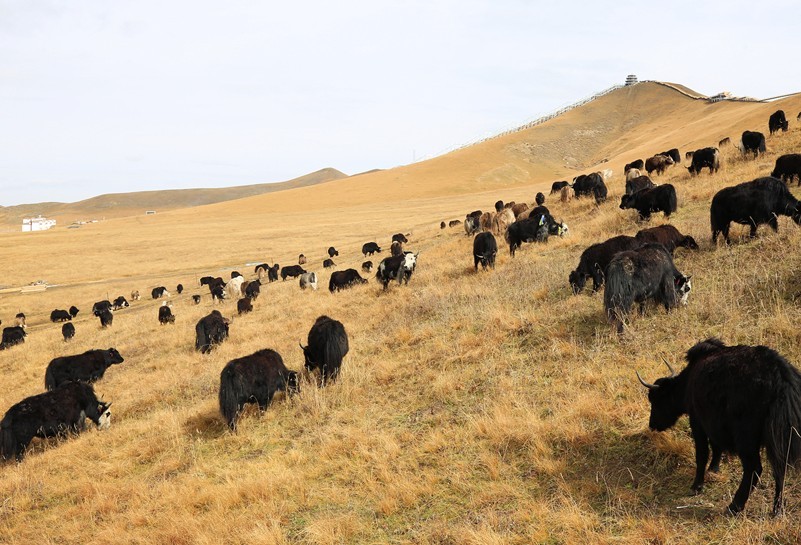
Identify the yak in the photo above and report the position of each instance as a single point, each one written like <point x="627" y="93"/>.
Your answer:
<point x="308" y="280"/>
<point x="332" y="252"/>
<point x="100" y="306"/>
<point x="87" y="367"/>
<point x="638" y="183"/>
<point x="752" y="203"/>
<point x="705" y="158"/>
<point x="291" y="271"/>
<point x="106" y="318"/>
<point x="739" y="399"/>
<point x="777" y="121"/>
<point x="327" y="345"/>
<point x="370" y="248"/>
<point x="397" y="267"/>
<point x="536" y="229"/>
<point x="159" y="292"/>
<point x="367" y="266"/>
<point x="60" y="316"/>
<point x="210" y="330"/>
<point x="120" y="302"/>
<point x="341" y="280"/>
<point x="658" y="163"/>
<point x="56" y="413"/>
<point x="253" y="379"/>
<point x="594" y="260"/>
<point x="556" y="187"/>
<point x="244" y="305"/>
<point x="74" y="311"/>
<point x="637" y="276"/>
<point x="485" y="248"/>
<point x="165" y="314"/>
<point x="12" y="336"/>
<point x="67" y="331"/>
<point x="661" y="198"/>
<point x="668" y="236"/>
<point x="638" y="164"/>
<point x="328" y="263"/>
<point x="754" y="142"/>
<point x="400" y="237"/>
<point x="788" y="167"/>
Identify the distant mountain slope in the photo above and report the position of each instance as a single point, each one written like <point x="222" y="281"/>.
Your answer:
<point x="125" y="204"/>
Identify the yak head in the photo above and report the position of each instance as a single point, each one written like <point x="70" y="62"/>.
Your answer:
<point x="666" y="396"/>
<point x="309" y="362"/>
<point x="577" y="281"/>
<point x="689" y="243"/>
<point x="409" y="261"/>
<point x="683" y="285"/>
<point x="562" y="229"/>
<point x="111" y="356"/>
<point x="102" y="419"/>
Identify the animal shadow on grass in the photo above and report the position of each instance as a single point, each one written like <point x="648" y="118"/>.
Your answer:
<point x="633" y="470"/>
<point x="207" y="423"/>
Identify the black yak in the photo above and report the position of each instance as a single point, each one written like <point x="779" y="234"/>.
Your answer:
<point x="87" y="367"/>
<point x="56" y="413"/>
<point x="210" y="330"/>
<point x="60" y="316"/>
<point x="165" y="314"/>
<point x="777" y="121"/>
<point x="538" y="229"/>
<point x="369" y="248"/>
<point x="668" y="236"/>
<point x="244" y="305"/>
<point x="637" y="276"/>
<point x="705" y="158"/>
<point x="752" y="203"/>
<point x="754" y="142"/>
<point x="788" y="167"/>
<point x="739" y="399"/>
<point x="594" y="260"/>
<point x="106" y="318"/>
<point x="485" y="248"/>
<point x="327" y="346"/>
<point x="344" y="279"/>
<point x="291" y="271"/>
<point x="396" y="267"/>
<point x="67" y="331"/>
<point x="253" y="379"/>
<point x="658" y="163"/>
<point x="12" y="335"/>
<point x="74" y="311"/>
<point x="661" y="198"/>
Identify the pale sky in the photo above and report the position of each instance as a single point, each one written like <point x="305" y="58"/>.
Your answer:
<point x="103" y="96"/>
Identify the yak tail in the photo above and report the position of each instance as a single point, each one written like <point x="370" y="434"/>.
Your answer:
<point x="783" y="426"/>
<point x="618" y="293"/>
<point x="50" y="380"/>
<point x="229" y="400"/>
<point x="334" y="351"/>
<point x="8" y="442"/>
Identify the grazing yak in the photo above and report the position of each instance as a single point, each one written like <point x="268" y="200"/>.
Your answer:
<point x="633" y="173"/>
<point x="565" y="195"/>
<point x="59" y="412"/>
<point x="668" y="236"/>
<point x="253" y="290"/>
<point x="725" y="142"/>
<point x="60" y="316"/>
<point x="179" y="288"/>
<point x="12" y="336"/>
<point x="638" y="183"/>
<point x="536" y="229"/>
<point x="210" y="330"/>
<point x="661" y="198"/>
<point x="341" y="280"/>
<point x="196" y="299"/>
<point x="453" y="223"/>
<point x="472" y="222"/>
<point x="100" y="306"/>
<point x="119" y="303"/>
<point x="106" y="318"/>
<point x="253" y="379"/>
<point x="396" y="248"/>
<point x="159" y="292"/>
<point x="291" y="271"/>
<point x="556" y="187"/>
<point x="498" y="206"/>
<point x="87" y="367"/>
<point x="638" y="164"/>
<point x="327" y="345"/>
<point x="370" y="248"/>
<point x="218" y="293"/>
<point x="673" y="154"/>
<point x="739" y="399"/>
<point x="753" y="142"/>
<point x="777" y="122"/>
<point x="400" y="237"/>
<point x="752" y="203"/>
<point x="234" y="286"/>
<point x="590" y="185"/>
<point x="332" y="252"/>
<point x="485" y="248"/>
<point x="502" y="220"/>
<point x="594" y="260"/>
<point x="19" y="319"/>
<point x="521" y="207"/>
<point x="74" y="311"/>
<point x="537" y="211"/>
<point x="301" y="259"/>
<point x="442" y="225"/>
<point x="308" y="280"/>
<point x="705" y="158"/>
<point x="67" y="331"/>
<point x="244" y="305"/>
<point x="639" y="275"/>
<point x="539" y="199"/>
<point x="787" y="167"/>
<point x="135" y="295"/>
<point x="367" y="266"/>
<point x="658" y="163"/>
<point x="165" y="314"/>
<point x="397" y="267"/>
<point x="328" y="263"/>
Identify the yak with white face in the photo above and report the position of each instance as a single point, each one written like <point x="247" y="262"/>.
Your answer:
<point x="397" y="267"/>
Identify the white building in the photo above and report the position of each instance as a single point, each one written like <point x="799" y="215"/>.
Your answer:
<point x="37" y="224"/>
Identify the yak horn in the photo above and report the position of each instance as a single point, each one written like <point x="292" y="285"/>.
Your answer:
<point x="672" y="372"/>
<point x="647" y="385"/>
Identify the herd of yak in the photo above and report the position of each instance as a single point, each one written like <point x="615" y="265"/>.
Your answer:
<point x="738" y="398"/>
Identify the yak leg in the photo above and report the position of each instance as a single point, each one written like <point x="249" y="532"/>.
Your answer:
<point x="752" y="471"/>
<point x="701" y="456"/>
<point x="774" y="223"/>
<point x="714" y="465"/>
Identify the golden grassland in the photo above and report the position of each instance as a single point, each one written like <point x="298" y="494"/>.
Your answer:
<point x="482" y="408"/>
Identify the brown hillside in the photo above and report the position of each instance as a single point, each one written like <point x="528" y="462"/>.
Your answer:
<point x="116" y="205"/>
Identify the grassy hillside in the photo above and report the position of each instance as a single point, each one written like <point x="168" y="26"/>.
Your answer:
<point x="479" y="408"/>
<point x="116" y="205"/>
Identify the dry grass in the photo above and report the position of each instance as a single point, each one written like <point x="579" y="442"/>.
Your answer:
<point x="481" y="408"/>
